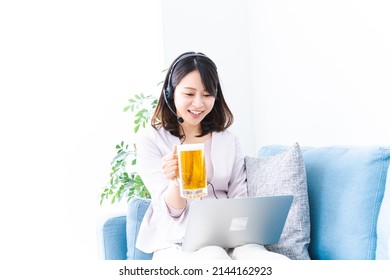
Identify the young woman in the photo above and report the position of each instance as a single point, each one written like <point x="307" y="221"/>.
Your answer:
<point x="191" y="109"/>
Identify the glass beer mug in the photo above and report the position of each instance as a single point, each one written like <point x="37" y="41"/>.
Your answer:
<point x="192" y="170"/>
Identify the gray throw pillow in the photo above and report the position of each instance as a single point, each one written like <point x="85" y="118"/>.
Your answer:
<point x="278" y="175"/>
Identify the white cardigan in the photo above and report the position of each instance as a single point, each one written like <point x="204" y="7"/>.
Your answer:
<point x="158" y="229"/>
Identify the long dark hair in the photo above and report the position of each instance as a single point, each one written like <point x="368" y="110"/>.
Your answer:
<point x="220" y="117"/>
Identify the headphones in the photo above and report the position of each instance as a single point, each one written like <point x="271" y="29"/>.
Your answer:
<point x="168" y="90"/>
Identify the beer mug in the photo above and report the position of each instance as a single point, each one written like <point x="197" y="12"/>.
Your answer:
<point x="192" y="170"/>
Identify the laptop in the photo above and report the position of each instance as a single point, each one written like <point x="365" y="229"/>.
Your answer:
<point x="229" y="223"/>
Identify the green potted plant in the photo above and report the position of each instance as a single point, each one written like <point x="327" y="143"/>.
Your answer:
<point x="124" y="180"/>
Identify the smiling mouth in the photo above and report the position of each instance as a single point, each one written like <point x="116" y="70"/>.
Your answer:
<point x="195" y="112"/>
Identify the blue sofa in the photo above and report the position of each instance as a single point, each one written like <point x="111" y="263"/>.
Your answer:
<point x="349" y="200"/>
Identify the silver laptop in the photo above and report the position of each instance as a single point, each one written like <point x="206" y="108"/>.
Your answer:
<point x="229" y="223"/>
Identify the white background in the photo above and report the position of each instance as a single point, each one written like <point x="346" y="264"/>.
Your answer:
<point x="67" y="70"/>
<point x="313" y="72"/>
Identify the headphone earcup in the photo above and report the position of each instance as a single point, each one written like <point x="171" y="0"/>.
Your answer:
<point x="169" y="91"/>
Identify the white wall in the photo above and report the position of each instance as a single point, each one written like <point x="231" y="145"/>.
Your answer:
<point x="67" y="69"/>
<point x="313" y="72"/>
<point x="321" y="71"/>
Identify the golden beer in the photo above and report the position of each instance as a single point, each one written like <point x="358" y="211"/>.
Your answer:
<point x="192" y="170"/>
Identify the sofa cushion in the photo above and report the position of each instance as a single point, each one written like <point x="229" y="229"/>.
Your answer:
<point x="346" y="185"/>
<point x="383" y="244"/>
<point x="136" y="211"/>
<point x="284" y="174"/>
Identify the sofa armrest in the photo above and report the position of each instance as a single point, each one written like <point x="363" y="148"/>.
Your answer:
<point x="136" y="210"/>
<point x="112" y="238"/>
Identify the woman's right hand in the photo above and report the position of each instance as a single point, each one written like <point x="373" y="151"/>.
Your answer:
<point x="170" y="165"/>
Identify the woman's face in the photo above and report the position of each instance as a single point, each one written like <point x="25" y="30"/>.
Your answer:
<point x="192" y="101"/>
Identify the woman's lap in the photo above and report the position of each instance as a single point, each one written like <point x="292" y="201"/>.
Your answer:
<point x="245" y="252"/>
